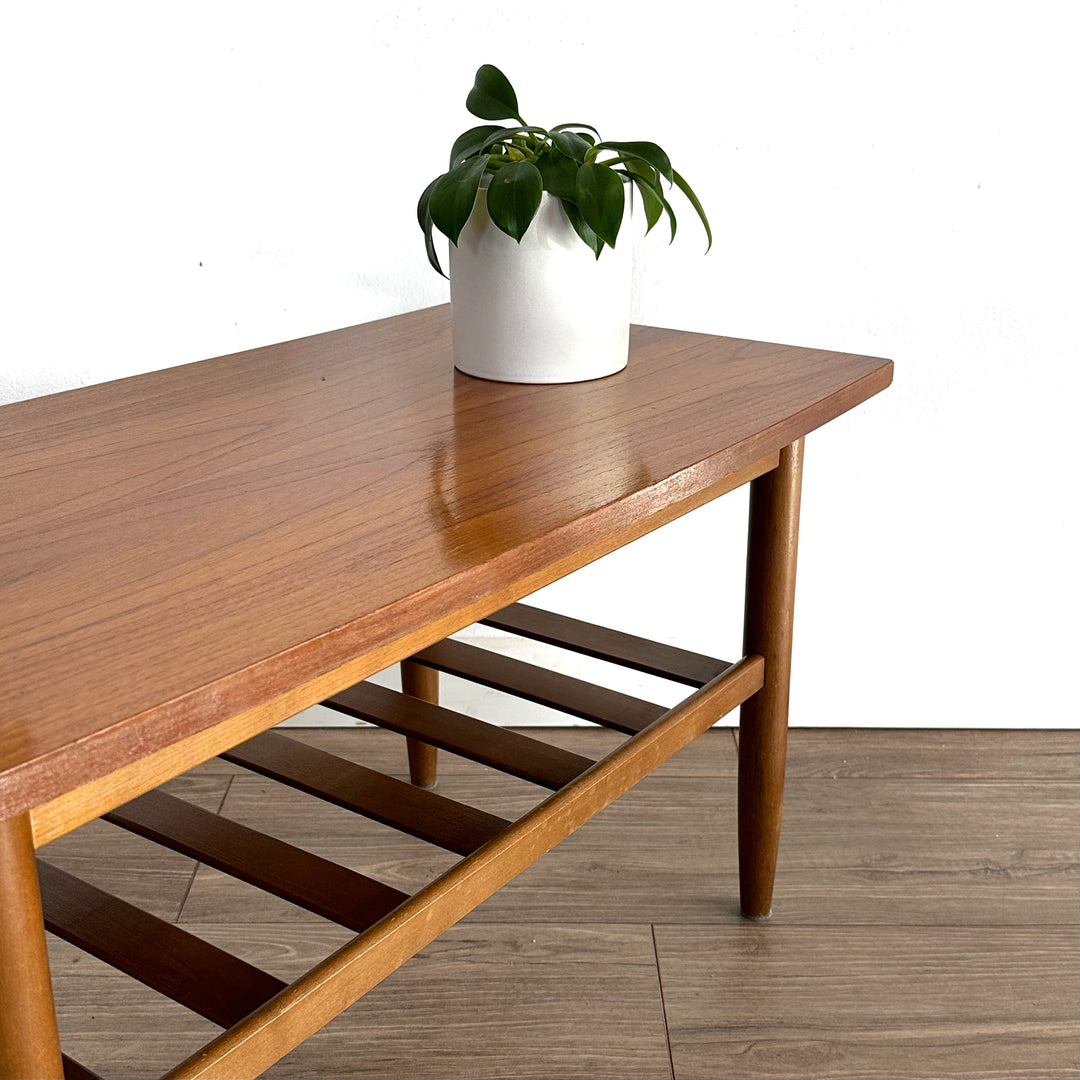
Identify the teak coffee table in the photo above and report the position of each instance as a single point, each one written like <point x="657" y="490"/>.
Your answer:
<point x="189" y="557"/>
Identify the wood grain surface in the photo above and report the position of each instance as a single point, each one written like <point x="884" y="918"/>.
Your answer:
<point x="182" y="546"/>
<point x="771" y="557"/>
<point x="902" y="1001"/>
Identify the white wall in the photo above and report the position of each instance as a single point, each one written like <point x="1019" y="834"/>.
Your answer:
<point x="186" y="180"/>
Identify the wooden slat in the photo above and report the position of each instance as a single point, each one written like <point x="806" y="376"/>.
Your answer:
<point x="448" y="824"/>
<point x="250" y="1047"/>
<point x="499" y="748"/>
<point x="833" y="874"/>
<point x="640" y="654"/>
<point x="574" y="696"/>
<point x="198" y="975"/>
<point x="321" y="886"/>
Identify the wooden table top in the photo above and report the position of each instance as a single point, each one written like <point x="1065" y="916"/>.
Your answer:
<point x="179" y="546"/>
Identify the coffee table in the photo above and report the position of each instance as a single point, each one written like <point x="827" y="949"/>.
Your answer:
<point x="191" y="556"/>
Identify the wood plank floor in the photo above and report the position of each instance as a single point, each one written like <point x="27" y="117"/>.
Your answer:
<point x="926" y="922"/>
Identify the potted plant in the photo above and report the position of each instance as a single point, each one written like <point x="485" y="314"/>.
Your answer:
<point x="540" y="291"/>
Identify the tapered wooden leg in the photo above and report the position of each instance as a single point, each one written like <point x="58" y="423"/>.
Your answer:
<point x="772" y="550"/>
<point x="29" y="1043"/>
<point x="421" y="682"/>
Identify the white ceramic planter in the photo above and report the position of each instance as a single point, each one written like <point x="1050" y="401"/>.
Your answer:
<point x="542" y="311"/>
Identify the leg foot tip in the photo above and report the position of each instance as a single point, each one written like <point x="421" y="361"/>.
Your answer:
<point x="758" y="918"/>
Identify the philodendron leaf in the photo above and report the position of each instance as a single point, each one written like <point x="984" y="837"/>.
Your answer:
<point x="559" y="174"/>
<point x="423" y="215"/>
<point x="564" y="127"/>
<point x="573" y="145"/>
<point x="647" y="180"/>
<point x="471" y="142"/>
<point x="684" y="187"/>
<point x="564" y="161"/>
<point x="492" y="97"/>
<point x="650" y="188"/>
<point x="582" y="228"/>
<point x="514" y="197"/>
<point x="504" y="134"/>
<point x="647" y="151"/>
<point x="453" y="194"/>
<point x="601" y="200"/>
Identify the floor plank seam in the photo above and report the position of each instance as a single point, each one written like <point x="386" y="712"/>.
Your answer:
<point x="195" y="868"/>
<point x="224" y="794"/>
<point x="663" y="1003"/>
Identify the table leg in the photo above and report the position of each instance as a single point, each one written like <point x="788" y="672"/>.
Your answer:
<point x="772" y="550"/>
<point x="29" y="1043"/>
<point x="421" y="682"/>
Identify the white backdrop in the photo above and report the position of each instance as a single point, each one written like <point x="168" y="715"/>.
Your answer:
<point x="186" y="180"/>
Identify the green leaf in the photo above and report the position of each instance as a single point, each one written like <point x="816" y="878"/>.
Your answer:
<point x="656" y="191"/>
<point x="471" y="142"/>
<point x="571" y="144"/>
<point x="492" y="97"/>
<point x="647" y="180"/>
<point x="684" y="187"/>
<point x="514" y="197"/>
<point x="647" y="151"/>
<point x="566" y="127"/>
<point x="582" y="228"/>
<point x="423" y="215"/>
<point x="453" y="195"/>
<point x="601" y="200"/>
<point x="498" y="134"/>
<point x="559" y="174"/>
<point x="671" y="217"/>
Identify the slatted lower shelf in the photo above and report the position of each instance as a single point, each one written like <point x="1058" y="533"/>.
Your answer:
<point x="263" y="1017"/>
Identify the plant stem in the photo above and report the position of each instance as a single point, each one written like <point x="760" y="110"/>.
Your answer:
<point x="617" y="160"/>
